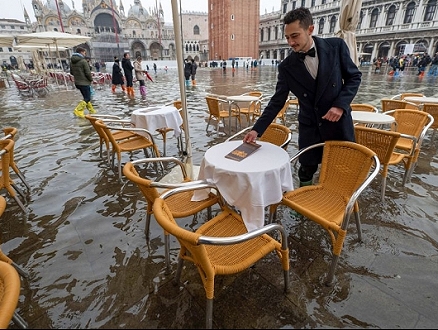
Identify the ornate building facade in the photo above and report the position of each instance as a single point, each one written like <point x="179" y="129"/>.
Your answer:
<point x="113" y="30"/>
<point x="385" y="29"/>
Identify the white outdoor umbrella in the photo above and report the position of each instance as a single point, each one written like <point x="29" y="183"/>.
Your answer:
<point x="348" y="20"/>
<point x="52" y="38"/>
<point x="181" y="79"/>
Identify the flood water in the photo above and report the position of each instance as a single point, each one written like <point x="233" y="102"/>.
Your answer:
<point x="90" y="266"/>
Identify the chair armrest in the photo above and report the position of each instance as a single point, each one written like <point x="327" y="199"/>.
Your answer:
<point x="133" y="129"/>
<point x="162" y="159"/>
<point x="303" y="150"/>
<point x="231" y="240"/>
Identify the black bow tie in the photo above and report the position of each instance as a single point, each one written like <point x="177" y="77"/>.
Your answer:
<point x="310" y="52"/>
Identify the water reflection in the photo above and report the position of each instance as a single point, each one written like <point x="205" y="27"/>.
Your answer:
<point x="83" y="239"/>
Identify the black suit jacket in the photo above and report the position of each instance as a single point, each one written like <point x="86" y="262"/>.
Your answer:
<point x="337" y="83"/>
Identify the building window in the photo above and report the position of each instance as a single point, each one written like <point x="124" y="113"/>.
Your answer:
<point x="10" y="49"/>
<point x="1" y="50"/>
<point x="321" y="26"/>
<point x="360" y="20"/>
<point x="12" y="27"/>
<point x="22" y="27"/>
<point x="232" y="17"/>
<point x="303" y="3"/>
<point x="391" y="15"/>
<point x="133" y="33"/>
<point x="430" y="11"/>
<point x="276" y="32"/>
<point x="322" y="2"/>
<point x="409" y="15"/>
<point x="332" y="24"/>
<point x="374" y="17"/>
<point x="294" y="4"/>
<point x="284" y="8"/>
<point x="196" y="30"/>
<point x="313" y="3"/>
<point x="262" y="34"/>
<point x="232" y="37"/>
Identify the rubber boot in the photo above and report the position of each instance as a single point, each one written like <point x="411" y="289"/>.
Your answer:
<point x="143" y="91"/>
<point x="131" y="91"/>
<point x="187" y="83"/>
<point x="123" y="88"/>
<point x="113" y="88"/>
<point x="79" y="110"/>
<point x="90" y="108"/>
<point x="193" y="82"/>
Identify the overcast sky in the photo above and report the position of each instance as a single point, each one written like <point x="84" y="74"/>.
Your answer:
<point x="14" y="8"/>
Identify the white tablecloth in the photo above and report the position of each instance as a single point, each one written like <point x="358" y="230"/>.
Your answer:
<point x="367" y="117"/>
<point x="421" y="100"/>
<point x="153" y="118"/>
<point x="251" y="184"/>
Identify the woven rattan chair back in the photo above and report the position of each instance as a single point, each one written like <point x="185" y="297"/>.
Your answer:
<point x="217" y="247"/>
<point x="9" y="286"/>
<point x="382" y="142"/>
<point x="6" y="182"/>
<point x="404" y="95"/>
<point x="10" y="133"/>
<point x="363" y="107"/>
<point x="432" y="109"/>
<point x="413" y="126"/>
<point x="277" y="134"/>
<point x="388" y="104"/>
<point x="344" y="174"/>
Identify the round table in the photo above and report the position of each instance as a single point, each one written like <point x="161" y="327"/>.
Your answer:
<point x="156" y="117"/>
<point x="251" y="184"/>
<point x="421" y="100"/>
<point x="372" y="118"/>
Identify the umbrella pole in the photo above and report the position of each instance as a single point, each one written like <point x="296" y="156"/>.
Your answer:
<point x="54" y="72"/>
<point x="181" y="80"/>
<point x="60" y="64"/>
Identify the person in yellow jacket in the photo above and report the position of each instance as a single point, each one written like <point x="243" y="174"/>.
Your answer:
<point x="80" y="69"/>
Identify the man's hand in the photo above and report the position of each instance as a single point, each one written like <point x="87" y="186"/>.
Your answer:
<point x="250" y="137"/>
<point x="334" y="114"/>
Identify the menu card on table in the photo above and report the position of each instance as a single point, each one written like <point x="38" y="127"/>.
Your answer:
<point x="243" y="151"/>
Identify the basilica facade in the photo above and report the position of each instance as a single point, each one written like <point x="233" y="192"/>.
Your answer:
<point x="112" y="28"/>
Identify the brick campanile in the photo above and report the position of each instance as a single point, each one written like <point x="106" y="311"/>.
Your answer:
<point x="233" y="28"/>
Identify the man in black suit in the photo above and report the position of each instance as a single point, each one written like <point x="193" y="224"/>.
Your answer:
<point x="321" y="74"/>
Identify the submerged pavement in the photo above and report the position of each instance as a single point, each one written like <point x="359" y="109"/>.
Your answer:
<point x="90" y="266"/>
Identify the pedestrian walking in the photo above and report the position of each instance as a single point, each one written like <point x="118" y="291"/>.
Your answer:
<point x="117" y="76"/>
<point x="187" y="71"/>
<point x="127" y="70"/>
<point x="141" y="76"/>
<point x="324" y="108"/>
<point x="155" y="68"/>
<point x="193" y="72"/>
<point x="80" y="69"/>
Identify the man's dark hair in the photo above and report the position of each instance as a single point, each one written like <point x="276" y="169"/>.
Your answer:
<point x="80" y="50"/>
<point x="125" y="54"/>
<point x="301" y="14"/>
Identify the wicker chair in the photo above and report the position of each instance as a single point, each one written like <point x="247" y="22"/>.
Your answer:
<point x="10" y="133"/>
<point x="163" y="131"/>
<point x="6" y="149"/>
<point x="402" y="96"/>
<point x="413" y="126"/>
<point x="180" y="205"/>
<point x="277" y="134"/>
<point x="383" y="143"/>
<point x="432" y="109"/>
<point x="221" y="246"/>
<point x="10" y="286"/>
<point x="344" y="174"/>
<point x="137" y="142"/>
<point x="363" y="107"/>
<point x="388" y="104"/>
<point x="216" y="112"/>
<point x="103" y="139"/>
